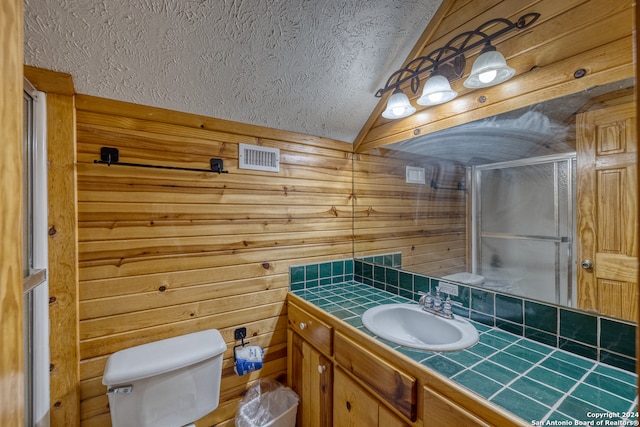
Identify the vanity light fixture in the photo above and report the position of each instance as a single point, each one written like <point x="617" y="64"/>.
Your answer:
<point x="437" y="90"/>
<point x="447" y="63"/>
<point x="490" y="68"/>
<point x="398" y="106"/>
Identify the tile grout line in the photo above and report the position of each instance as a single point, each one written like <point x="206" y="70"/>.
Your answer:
<point x="354" y="290"/>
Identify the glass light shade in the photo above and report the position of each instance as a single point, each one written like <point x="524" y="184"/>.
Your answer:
<point x="437" y="90"/>
<point x="489" y="69"/>
<point x="398" y="106"/>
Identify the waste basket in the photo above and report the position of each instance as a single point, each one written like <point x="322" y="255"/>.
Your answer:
<point x="268" y="404"/>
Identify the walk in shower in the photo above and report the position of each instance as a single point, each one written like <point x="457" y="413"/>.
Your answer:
<point x="524" y="225"/>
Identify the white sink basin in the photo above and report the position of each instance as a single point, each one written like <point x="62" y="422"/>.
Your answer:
<point x="410" y="326"/>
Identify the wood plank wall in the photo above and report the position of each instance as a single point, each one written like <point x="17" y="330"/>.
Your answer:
<point x="62" y="272"/>
<point x="165" y="252"/>
<point x="595" y="35"/>
<point x="427" y="225"/>
<point x="11" y="342"/>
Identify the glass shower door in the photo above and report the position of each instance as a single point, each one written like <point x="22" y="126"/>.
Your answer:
<point x="524" y="227"/>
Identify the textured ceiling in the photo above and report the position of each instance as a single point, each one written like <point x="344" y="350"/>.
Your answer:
<point x="309" y="66"/>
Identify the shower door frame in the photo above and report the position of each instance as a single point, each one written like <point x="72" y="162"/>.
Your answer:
<point x="476" y="220"/>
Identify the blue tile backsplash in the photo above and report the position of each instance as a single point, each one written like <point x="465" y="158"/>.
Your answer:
<point x="326" y="273"/>
<point x="598" y="338"/>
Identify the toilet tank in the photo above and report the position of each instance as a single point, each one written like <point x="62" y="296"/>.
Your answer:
<point x="169" y="383"/>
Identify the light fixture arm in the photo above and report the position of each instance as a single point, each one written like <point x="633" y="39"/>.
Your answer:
<point x="450" y="53"/>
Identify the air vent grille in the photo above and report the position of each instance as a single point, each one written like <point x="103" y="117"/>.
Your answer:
<point x="259" y="158"/>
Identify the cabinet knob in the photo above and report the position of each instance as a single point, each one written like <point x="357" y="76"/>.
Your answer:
<point x="303" y="325"/>
<point x="321" y="369"/>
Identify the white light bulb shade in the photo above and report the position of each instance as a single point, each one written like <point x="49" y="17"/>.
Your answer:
<point x="489" y="64"/>
<point x="437" y="90"/>
<point x="398" y="106"/>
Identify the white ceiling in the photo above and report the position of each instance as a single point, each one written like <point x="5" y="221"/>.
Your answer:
<point x="309" y="66"/>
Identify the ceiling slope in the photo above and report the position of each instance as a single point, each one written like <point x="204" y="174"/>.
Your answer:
<point x="308" y="66"/>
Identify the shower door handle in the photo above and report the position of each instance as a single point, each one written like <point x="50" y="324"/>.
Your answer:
<point x="587" y="264"/>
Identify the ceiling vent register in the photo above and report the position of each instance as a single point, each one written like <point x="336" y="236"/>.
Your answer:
<point x="259" y="158"/>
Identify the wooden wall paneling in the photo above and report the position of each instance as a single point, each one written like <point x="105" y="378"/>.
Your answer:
<point x="254" y="278"/>
<point x="426" y="225"/>
<point x="110" y="324"/>
<point x="585" y="18"/>
<point x="154" y="118"/>
<point x="163" y="253"/>
<point x="63" y="249"/>
<point x="318" y="252"/>
<point x="63" y="259"/>
<point x="636" y="101"/>
<point x="606" y="64"/>
<point x="567" y="37"/>
<point x="11" y="307"/>
<point x="165" y="296"/>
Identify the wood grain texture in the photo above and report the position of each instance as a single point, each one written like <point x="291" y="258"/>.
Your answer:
<point x="607" y="210"/>
<point x="50" y="81"/>
<point x="427" y="226"/>
<point x="63" y="270"/>
<point x="353" y="406"/>
<point x="441" y="412"/>
<point x="163" y="252"/>
<point x="595" y="35"/>
<point x="63" y="244"/>
<point x="311" y="329"/>
<point x="396" y="387"/>
<point x="11" y="307"/>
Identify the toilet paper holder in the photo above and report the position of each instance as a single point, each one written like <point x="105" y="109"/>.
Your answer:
<point x="249" y="358"/>
<point x="239" y="334"/>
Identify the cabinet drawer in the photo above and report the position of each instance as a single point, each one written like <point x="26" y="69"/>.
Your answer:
<point x="391" y="384"/>
<point x="316" y="332"/>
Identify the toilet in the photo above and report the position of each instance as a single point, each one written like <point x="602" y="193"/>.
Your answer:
<point x="167" y="383"/>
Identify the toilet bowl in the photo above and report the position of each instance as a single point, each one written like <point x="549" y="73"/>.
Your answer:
<point x="167" y="383"/>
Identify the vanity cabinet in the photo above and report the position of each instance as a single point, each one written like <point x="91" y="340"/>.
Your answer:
<point x="353" y="406"/>
<point x="310" y="370"/>
<point x="345" y="378"/>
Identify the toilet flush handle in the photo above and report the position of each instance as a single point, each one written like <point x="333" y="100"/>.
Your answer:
<point x="125" y="389"/>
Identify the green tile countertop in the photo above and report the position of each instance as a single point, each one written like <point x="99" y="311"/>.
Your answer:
<point x="540" y="384"/>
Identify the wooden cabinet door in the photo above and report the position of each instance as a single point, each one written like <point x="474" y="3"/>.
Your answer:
<point x="607" y="208"/>
<point x="353" y="406"/>
<point x="311" y="377"/>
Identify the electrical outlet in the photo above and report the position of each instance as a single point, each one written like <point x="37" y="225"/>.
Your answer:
<point x="448" y="288"/>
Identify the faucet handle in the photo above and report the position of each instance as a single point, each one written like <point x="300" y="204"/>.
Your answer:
<point x="437" y="302"/>
<point x="425" y="300"/>
<point x="446" y="309"/>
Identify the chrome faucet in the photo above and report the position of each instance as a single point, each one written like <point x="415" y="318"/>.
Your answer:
<point x="436" y="306"/>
